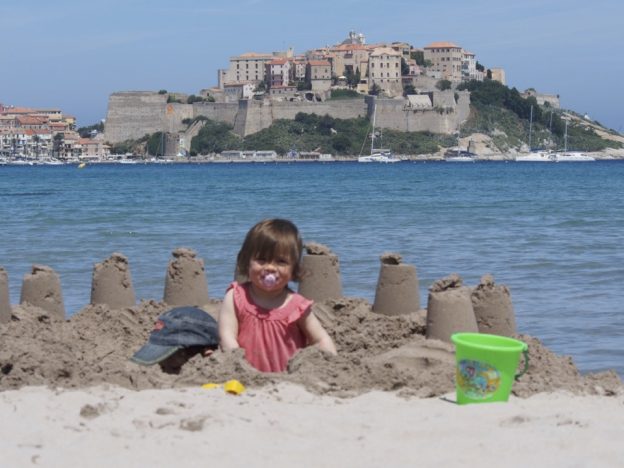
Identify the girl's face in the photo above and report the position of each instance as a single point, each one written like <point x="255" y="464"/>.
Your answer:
<point x="270" y="275"/>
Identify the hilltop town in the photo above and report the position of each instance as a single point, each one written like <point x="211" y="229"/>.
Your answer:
<point x="409" y="89"/>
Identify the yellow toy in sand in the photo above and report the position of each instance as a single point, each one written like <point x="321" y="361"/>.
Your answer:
<point x="231" y="386"/>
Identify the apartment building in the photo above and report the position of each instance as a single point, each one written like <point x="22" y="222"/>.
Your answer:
<point x="446" y="59"/>
<point x="469" y="67"/>
<point x="385" y="70"/>
<point x="248" y="67"/>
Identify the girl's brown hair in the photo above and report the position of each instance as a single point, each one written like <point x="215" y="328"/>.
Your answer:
<point x="269" y="239"/>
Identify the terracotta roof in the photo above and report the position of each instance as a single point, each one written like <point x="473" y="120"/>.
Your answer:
<point x="88" y="141"/>
<point x="253" y="55"/>
<point x="385" y="51"/>
<point x="278" y="61"/>
<point x="442" y="45"/>
<point x="18" y="110"/>
<point x="319" y="63"/>
<point x="31" y="120"/>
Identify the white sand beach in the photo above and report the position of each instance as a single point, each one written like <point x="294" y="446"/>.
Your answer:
<point x="284" y="425"/>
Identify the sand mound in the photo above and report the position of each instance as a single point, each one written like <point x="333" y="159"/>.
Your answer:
<point x="375" y="352"/>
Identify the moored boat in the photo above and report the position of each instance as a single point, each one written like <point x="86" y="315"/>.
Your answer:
<point x="573" y="156"/>
<point x="459" y="155"/>
<point x="536" y="156"/>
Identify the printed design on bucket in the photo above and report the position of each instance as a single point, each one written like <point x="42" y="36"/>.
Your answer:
<point x="477" y="379"/>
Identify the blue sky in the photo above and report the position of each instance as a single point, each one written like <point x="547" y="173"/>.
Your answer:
<point x="72" y="54"/>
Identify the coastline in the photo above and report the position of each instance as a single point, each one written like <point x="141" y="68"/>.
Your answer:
<point x="609" y="154"/>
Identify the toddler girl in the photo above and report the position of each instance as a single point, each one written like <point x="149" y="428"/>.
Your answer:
<point x="263" y="315"/>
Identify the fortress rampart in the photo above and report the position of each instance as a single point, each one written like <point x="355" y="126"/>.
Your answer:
<point x="134" y="114"/>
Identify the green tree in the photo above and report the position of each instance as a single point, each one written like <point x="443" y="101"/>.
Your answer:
<point x="340" y="143"/>
<point x="85" y="132"/>
<point x="215" y="137"/>
<point x="192" y="98"/>
<point x="156" y="144"/>
<point x="404" y="67"/>
<point x="356" y="77"/>
<point x="374" y="90"/>
<point x="419" y="56"/>
<point x="409" y="89"/>
<point x="443" y="85"/>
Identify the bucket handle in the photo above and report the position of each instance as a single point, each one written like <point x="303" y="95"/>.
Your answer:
<point x="525" y="352"/>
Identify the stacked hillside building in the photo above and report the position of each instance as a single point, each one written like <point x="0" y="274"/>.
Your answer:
<point x="258" y="88"/>
<point x="376" y="65"/>
<point x="37" y="134"/>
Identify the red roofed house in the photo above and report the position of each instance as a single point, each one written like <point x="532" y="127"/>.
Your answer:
<point x="278" y="72"/>
<point x="92" y="149"/>
<point x="319" y="74"/>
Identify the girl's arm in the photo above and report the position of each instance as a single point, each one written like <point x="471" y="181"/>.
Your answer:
<point x="316" y="334"/>
<point x="228" y="324"/>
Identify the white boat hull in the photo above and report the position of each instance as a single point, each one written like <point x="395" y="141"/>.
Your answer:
<point x="459" y="159"/>
<point x="538" y="156"/>
<point x="574" y="156"/>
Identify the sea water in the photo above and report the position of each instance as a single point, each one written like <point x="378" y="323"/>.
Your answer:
<point x="551" y="232"/>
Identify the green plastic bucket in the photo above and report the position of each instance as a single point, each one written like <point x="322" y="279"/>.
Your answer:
<point x="486" y="366"/>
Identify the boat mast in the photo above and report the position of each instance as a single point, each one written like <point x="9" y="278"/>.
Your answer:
<point x="373" y="132"/>
<point x="565" y="138"/>
<point x="530" y="127"/>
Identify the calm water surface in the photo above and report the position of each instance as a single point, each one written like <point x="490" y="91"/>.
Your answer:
<point x="551" y="232"/>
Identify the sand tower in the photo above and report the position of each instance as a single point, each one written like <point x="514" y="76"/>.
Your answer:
<point x="5" y="303"/>
<point x="42" y="288"/>
<point x="449" y="309"/>
<point x="112" y="284"/>
<point x="185" y="282"/>
<point x="397" y="287"/>
<point x="493" y="308"/>
<point x="321" y="273"/>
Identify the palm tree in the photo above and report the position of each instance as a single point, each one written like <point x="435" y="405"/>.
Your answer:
<point x="37" y="141"/>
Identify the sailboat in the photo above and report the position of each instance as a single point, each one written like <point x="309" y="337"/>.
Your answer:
<point x="457" y="154"/>
<point x="570" y="156"/>
<point x="535" y="155"/>
<point x="378" y="155"/>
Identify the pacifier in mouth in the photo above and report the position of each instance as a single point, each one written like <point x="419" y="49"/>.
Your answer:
<point x="269" y="280"/>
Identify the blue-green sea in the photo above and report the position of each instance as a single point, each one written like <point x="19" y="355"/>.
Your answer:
<point x="553" y="233"/>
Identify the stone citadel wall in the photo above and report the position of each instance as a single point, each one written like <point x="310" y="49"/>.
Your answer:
<point x="133" y="114"/>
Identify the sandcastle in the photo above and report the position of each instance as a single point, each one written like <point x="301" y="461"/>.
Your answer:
<point x="42" y="288"/>
<point x="5" y="303"/>
<point x="111" y="284"/>
<point x="321" y="273"/>
<point x="493" y="308"/>
<point x="185" y="282"/>
<point x="449" y="309"/>
<point x="397" y="287"/>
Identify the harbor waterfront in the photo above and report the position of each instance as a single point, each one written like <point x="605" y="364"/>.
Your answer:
<point x="551" y="233"/>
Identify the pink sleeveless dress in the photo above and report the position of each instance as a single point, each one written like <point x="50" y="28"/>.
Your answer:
<point x="269" y="337"/>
